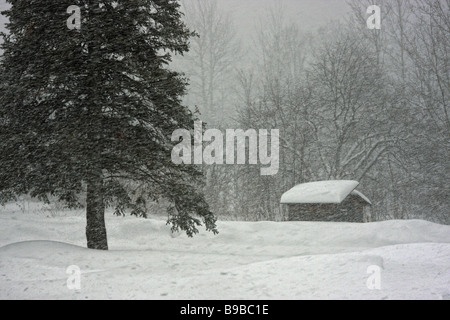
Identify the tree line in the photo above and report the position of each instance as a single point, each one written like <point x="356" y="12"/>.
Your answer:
<point x="350" y="103"/>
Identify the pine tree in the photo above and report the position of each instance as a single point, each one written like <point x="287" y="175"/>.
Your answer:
<point x="93" y="110"/>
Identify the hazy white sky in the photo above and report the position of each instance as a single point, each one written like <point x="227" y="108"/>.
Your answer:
<point x="248" y="14"/>
<point x="3" y="6"/>
<point x="309" y="14"/>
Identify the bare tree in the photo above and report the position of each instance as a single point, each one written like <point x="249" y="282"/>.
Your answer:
<point x="390" y="176"/>
<point x="274" y="95"/>
<point x="428" y="93"/>
<point x="429" y="49"/>
<point x="352" y="107"/>
<point x="212" y="57"/>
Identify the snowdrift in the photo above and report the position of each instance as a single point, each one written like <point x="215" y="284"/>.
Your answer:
<point x="262" y="260"/>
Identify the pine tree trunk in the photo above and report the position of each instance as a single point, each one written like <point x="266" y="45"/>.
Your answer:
<point x="95" y="215"/>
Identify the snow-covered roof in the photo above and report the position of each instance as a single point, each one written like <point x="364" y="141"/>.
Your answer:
<point x="330" y="191"/>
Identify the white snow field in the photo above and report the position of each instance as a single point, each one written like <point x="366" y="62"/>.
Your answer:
<point x="247" y="260"/>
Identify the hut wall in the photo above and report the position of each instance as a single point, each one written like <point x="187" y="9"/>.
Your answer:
<point x="351" y="210"/>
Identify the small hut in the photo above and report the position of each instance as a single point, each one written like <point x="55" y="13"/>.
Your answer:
<point x="332" y="200"/>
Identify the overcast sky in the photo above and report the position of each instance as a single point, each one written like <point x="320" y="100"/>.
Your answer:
<point x="3" y="6"/>
<point x="309" y="14"/>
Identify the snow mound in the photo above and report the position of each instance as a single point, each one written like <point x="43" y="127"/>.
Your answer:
<point x="38" y="247"/>
<point x="247" y="260"/>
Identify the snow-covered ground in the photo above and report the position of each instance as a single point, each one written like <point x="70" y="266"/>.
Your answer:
<point x="247" y="260"/>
